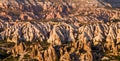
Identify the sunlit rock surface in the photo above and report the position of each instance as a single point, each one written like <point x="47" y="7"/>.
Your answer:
<point x="62" y="41"/>
<point x="59" y="30"/>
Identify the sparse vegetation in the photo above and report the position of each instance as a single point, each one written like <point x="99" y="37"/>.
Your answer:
<point x="11" y="58"/>
<point x="44" y="45"/>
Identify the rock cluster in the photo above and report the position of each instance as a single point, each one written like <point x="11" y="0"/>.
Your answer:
<point x="96" y="14"/>
<point x="62" y="41"/>
<point x="40" y="11"/>
<point x="32" y="10"/>
<point x="48" y="30"/>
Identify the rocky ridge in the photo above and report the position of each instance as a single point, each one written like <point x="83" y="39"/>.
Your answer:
<point x="58" y="31"/>
<point x="25" y="10"/>
<point x="61" y="41"/>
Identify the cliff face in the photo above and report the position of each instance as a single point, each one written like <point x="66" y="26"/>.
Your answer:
<point x="60" y="30"/>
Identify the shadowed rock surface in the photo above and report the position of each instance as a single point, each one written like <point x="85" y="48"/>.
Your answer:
<point x="27" y="10"/>
<point x="61" y="41"/>
<point x="59" y="30"/>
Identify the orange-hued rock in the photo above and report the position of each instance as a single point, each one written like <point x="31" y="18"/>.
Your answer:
<point x="50" y="54"/>
<point x="37" y="10"/>
<point x="81" y="41"/>
<point x="59" y="30"/>
<point x="65" y="57"/>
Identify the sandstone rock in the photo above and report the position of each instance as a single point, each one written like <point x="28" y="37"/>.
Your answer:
<point x="59" y="31"/>
<point x="105" y="58"/>
<point x="65" y="57"/>
<point x="19" y="49"/>
<point x="61" y="35"/>
<point x="90" y="40"/>
<point x="50" y="54"/>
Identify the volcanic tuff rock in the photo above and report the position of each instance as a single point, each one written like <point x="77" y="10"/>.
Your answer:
<point x="24" y="10"/>
<point x="59" y="30"/>
<point x="54" y="41"/>
<point x="32" y="10"/>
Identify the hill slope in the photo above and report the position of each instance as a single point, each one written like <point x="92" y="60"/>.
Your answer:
<point x="59" y="30"/>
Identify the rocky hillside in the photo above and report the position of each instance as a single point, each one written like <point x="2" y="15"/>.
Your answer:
<point x="59" y="30"/>
<point x="59" y="41"/>
<point x="27" y="10"/>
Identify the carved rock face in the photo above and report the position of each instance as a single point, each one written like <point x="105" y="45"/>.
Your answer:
<point x="61" y="37"/>
<point x="37" y="10"/>
<point x="68" y="30"/>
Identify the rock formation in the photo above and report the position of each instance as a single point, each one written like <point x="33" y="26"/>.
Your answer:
<point x="60" y="30"/>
